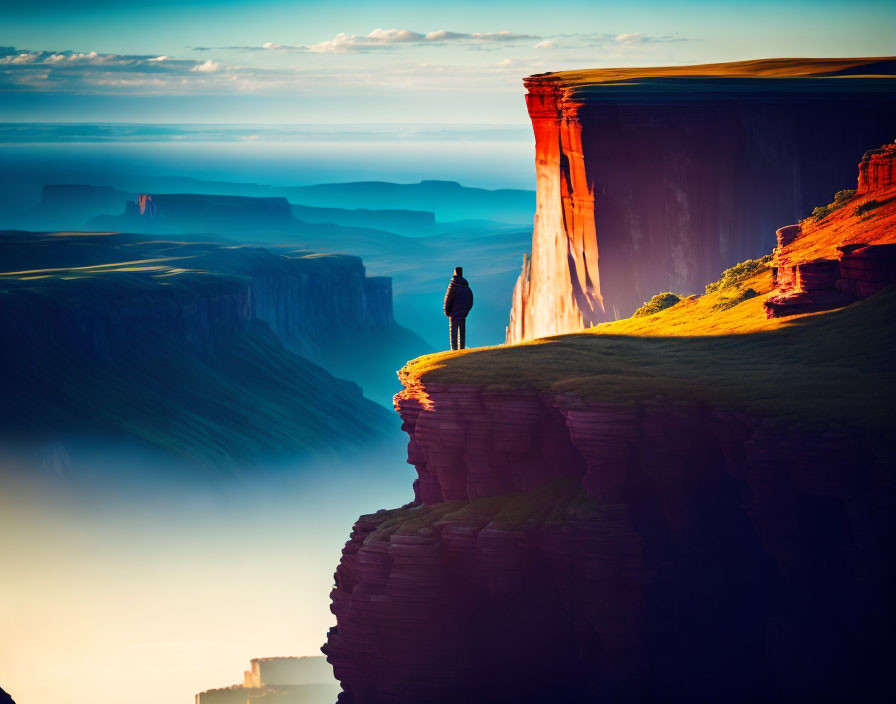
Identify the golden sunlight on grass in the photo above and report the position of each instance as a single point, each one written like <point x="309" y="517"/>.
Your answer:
<point x="136" y="266"/>
<point x="761" y="68"/>
<point x="718" y="348"/>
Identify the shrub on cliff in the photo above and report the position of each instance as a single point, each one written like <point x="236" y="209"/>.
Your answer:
<point x="739" y="298"/>
<point x="659" y="302"/>
<point x="740" y="273"/>
<point x="841" y="198"/>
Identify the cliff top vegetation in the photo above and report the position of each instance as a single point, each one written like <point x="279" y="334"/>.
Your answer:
<point x="720" y="348"/>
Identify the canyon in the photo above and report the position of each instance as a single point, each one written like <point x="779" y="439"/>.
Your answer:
<point x="693" y="505"/>
<point x="652" y="180"/>
<point x="417" y="249"/>
<point x="157" y="342"/>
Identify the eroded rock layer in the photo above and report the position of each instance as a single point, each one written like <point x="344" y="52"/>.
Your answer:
<point x="653" y="180"/>
<point x="846" y="251"/>
<point x="565" y="550"/>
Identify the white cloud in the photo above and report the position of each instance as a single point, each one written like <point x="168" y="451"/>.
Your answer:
<point x="80" y="71"/>
<point x="345" y="43"/>
<point x="632" y="38"/>
<point x="546" y="44"/>
<point x="207" y="67"/>
<point x="379" y="38"/>
<point x="395" y="36"/>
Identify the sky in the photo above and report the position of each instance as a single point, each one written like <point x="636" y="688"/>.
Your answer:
<point x="153" y="586"/>
<point x="276" y="62"/>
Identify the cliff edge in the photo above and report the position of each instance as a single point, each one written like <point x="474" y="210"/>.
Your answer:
<point x="656" y="179"/>
<point x="694" y="504"/>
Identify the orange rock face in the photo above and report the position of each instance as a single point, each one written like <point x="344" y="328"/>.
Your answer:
<point x="559" y="289"/>
<point x="877" y="172"/>
<point x="656" y="180"/>
<point x="848" y="254"/>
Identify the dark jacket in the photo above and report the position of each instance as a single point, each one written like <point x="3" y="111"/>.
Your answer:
<point x="458" y="298"/>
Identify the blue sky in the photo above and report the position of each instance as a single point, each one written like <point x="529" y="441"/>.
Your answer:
<point x="270" y="61"/>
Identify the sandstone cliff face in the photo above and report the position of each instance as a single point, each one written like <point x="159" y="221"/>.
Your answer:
<point x="660" y="180"/>
<point x="663" y="553"/>
<point x="846" y="253"/>
<point x="877" y="170"/>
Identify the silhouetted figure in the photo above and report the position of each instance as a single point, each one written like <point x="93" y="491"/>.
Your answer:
<point x="458" y="302"/>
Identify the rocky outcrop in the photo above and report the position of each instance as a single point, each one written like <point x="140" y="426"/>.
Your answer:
<point x="566" y="550"/>
<point x="877" y="170"/>
<point x="822" y="284"/>
<point x="284" y="680"/>
<point x="5" y="698"/>
<point x="655" y="180"/>
<point x="866" y="255"/>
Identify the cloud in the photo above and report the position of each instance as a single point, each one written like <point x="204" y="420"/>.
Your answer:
<point x="479" y="37"/>
<point x="389" y="39"/>
<point x="93" y="71"/>
<point x="625" y="39"/>
<point x="207" y="67"/>
<point x="634" y="38"/>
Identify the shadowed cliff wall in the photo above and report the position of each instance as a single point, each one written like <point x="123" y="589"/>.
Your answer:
<point x="561" y="550"/>
<point x="659" y="183"/>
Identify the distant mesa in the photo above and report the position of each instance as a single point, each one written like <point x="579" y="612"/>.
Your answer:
<point x="449" y="200"/>
<point x="176" y="205"/>
<point x="284" y="680"/>
<point x="413" y="223"/>
<point x="195" y="212"/>
<point x="656" y="179"/>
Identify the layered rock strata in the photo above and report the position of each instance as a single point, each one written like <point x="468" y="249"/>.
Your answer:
<point x="653" y="180"/>
<point x="188" y="292"/>
<point x="564" y="550"/>
<point x="862" y="228"/>
<point x="158" y="344"/>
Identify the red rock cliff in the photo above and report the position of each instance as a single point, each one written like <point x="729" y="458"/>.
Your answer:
<point x="846" y="250"/>
<point x="656" y="179"/>
<point x="564" y="550"/>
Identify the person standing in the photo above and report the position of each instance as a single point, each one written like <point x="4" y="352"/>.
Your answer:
<point x="458" y="302"/>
